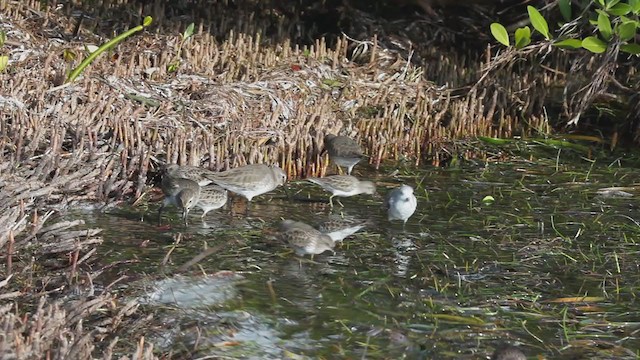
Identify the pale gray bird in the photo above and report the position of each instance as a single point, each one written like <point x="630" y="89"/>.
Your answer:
<point x="250" y="180"/>
<point x="401" y="203"/>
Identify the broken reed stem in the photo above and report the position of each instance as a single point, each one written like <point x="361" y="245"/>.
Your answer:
<point x="196" y="259"/>
<point x="74" y="263"/>
<point x="167" y="256"/>
<point x="10" y="253"/>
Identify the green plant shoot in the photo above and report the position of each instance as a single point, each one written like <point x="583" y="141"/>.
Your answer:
<point x="106" y="46"/>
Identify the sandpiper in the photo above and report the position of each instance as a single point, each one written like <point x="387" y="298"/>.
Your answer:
<point x="186" y="200"/>
<point x="508" y="353"/>
<point x="180" y="192"/>
<point x="211" y="197"/>
<point x="343" y="151"/>
<point x="338" y="227"/>
<point x="304" y="239"/>
<point x="344" y="186"/>
<point x="250" y="180"/>
<point x="401" y="203"/>
<point x="194" y="173"/>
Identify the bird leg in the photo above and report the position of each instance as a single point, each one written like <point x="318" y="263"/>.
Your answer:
<point x="160" y="214"/>
<point x="164" y="204"/>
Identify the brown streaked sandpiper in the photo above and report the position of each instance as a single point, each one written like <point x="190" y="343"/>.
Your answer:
<point x="305" y="239"/>
<point x="343" y="151"/>
<point x="211" y="197"/>
<point x="180" y="192"/>
<point x="344" y="186"/>
<point x="338" y="227"/>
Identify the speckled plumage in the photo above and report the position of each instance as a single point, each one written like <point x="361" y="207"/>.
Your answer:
<point x="183" y="193"/>
<point x="344" y="186"/>
<point x="338" y="228"/>
<point x="194" y="173"/>
<point x="211" y="197"/>
<point x="305" y="239"/>
<point x="250" y="180"/>
<point x="343" y="151"/>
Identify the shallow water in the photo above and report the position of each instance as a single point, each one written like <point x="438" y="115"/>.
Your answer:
<point x="460" y="279"/>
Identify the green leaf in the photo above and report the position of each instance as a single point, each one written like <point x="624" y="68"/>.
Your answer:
<point x="595" y="45"/>
<point x="626" y="31"/>
<point x="635" y="6"/>
<point x="488" y="200"/>
<point x="3" y="38"/>
<point x="601" y="2"/>
<point x="500" y="33"/>
<point x="620" y="9"/>
<point x="633" y="49"/>
<point x="188" y="31"/>
<point x="538" y="22"/>
<point x="332" y="83"/>
<point x="447" y="318"/>
<point x="495" y="141"/>
<point x="604" y="26"/>
<point x="569" y="44"/>
<point x="147" y="21"/>
<point x="523" y="37"/>
<point x="4" y="61"/>
<point x="601" y="12"/>
<point x="173" y="67"/>
<point x="565" y="9"/>
<point x="611" y="3"/>
<point x="69" y="55"/>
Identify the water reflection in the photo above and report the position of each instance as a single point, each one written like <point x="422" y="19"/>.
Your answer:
<point x="192" y="292"/>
